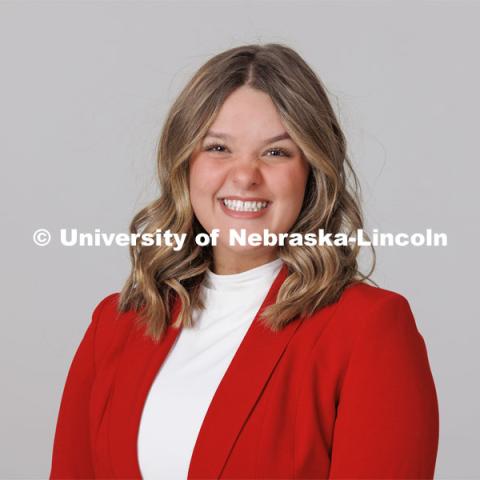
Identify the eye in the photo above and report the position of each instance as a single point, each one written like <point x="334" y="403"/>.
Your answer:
<point x="213" y="147"/>
<point x="281" y="151"/>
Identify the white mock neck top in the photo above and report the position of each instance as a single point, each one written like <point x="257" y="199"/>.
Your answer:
<point x="188" y="378"/>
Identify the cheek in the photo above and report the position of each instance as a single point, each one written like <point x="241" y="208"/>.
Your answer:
<point x="289" y="192"/>
<point x="204" y="178"/>
<point x="290" y="186"/>
<point x="205" y="182"/>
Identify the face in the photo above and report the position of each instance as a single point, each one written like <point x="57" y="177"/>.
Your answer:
<point x="247" y="173"/>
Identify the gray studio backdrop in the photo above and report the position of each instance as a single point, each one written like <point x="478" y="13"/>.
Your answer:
<point x="84" y="91"/>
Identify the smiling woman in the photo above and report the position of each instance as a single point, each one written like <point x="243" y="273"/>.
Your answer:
<point x="250" y="361"/>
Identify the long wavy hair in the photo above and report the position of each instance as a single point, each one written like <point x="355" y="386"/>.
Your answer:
<point x="316" y="275"/>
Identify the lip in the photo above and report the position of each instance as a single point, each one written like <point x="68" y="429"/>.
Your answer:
<point x="245" y="199"/>
<point x="235" y="214"/>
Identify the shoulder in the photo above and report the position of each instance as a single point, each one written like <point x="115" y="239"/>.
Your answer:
<point x="363" y="309"/>
<point x="368" y="326"/>
<point x="376" y="308"/>
<point x="361" y="300"/>
<point x="376" y="318"/>
<point x="110" y="325"/>
<point x="107" y="303"/>
<point x="364" y="297"/>
<point x="106" y="313"/>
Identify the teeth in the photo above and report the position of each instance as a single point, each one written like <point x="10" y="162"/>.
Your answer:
<point x="239" y="206"/>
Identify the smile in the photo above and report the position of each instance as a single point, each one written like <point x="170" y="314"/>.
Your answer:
<point x="239" y="206"/>
<point x="244" y="209"/>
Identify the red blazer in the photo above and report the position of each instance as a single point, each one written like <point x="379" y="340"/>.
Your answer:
<point x="344" y="393"/>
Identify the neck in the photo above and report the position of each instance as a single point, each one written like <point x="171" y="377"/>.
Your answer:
<point x="229" y="264"/>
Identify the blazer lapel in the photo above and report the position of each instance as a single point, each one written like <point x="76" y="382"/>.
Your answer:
<point x="240" y="387"/>
<point x="239" y="390"/>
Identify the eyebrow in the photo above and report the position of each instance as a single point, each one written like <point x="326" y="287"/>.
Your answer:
<point x="226" y="136"/>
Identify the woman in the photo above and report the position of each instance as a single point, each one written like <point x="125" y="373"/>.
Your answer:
<point x="240" y="361"/>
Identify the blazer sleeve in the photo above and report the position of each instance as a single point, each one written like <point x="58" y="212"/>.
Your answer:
<point x="387" y="420"/>
<point x="71" y="455"/>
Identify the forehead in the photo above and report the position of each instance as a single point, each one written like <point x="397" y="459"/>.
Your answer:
<point x="248" y="113"/>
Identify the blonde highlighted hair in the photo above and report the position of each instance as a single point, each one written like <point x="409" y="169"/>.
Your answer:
<point x="316" y="275"/>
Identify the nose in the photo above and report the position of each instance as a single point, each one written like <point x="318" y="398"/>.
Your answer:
<point x="246" y="173"/>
